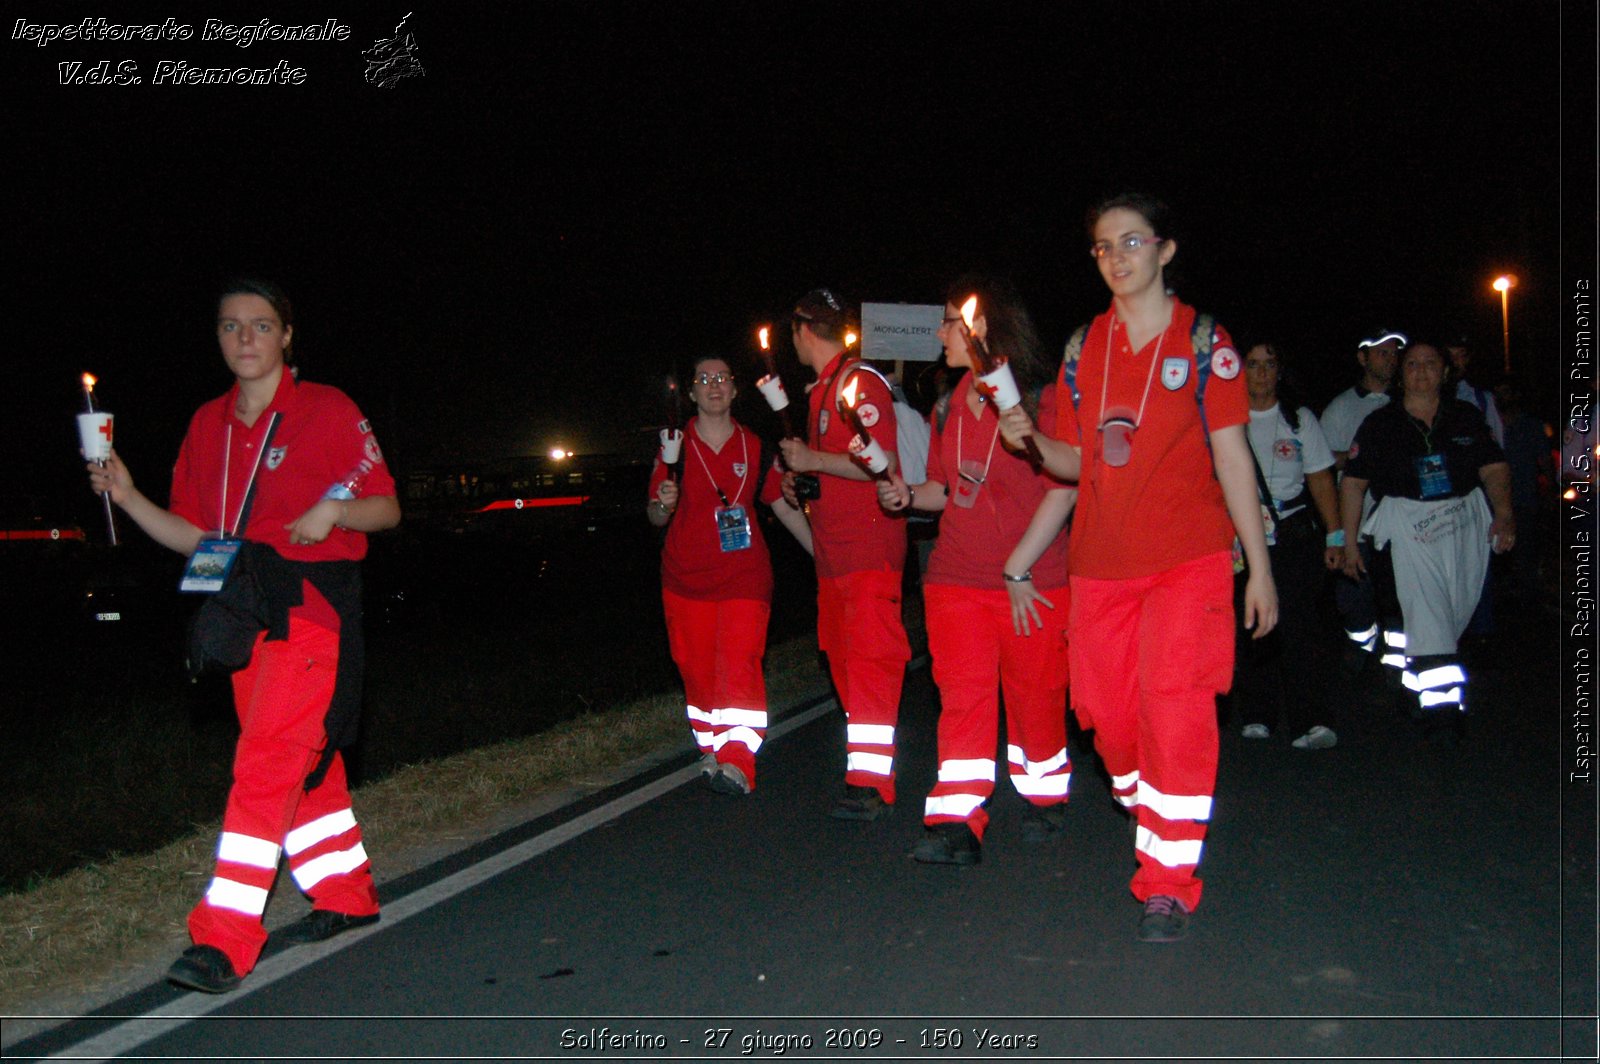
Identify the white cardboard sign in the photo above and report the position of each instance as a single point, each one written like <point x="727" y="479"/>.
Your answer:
<point x="906" y="331"/>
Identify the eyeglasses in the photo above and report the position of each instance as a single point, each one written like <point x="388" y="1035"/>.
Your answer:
<point x="712" y="378"/>
<point x="1128" y="244"/>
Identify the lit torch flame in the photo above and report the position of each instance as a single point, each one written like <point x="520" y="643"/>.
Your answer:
<point x="850" y="338"/>
<point x="763" y="333"/>
<point x="848" y="394"/>
<point x="89" y="381"/>
<point x="979" y="352"/>
<point x="1570" y="494"/>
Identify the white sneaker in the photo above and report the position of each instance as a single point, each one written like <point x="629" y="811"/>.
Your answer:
<point x="1257" y="731"/>
<point x="1318" y="738"/>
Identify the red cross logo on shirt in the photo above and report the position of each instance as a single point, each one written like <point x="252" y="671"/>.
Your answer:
<point x="1284" y="450"/>
<point x="1225" y="363"/>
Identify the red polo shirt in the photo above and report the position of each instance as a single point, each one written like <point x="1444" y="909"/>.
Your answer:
<point x="1165" y="506"/>
<point x="849" y="530"/>
<point x="974" y="542"/>
<point x="693" y="563"/>
<point x="321" y="439"/>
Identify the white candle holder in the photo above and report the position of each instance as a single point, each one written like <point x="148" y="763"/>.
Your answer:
<point x="94" y="435"/>
<point x="871" y="454"/>
<point x="1002" y="386"/>
<point x="771" y="387"/>
<point x="671" y="445"/>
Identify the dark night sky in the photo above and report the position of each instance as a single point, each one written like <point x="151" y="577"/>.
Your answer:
<point x="514" y="248"/>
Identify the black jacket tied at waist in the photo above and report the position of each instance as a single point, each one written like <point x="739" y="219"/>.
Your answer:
<point x="261" y="590"/>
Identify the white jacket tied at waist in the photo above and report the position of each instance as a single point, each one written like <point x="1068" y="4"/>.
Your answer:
<point x="1441" y="555"/>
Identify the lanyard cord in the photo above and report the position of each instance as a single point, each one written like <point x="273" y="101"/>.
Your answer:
<point x="222" y="510"/>
<point x="1426" y="433"/>
<point x="249" y="487"/>
<point x="831" y="394"/>
<point x="1105" y="379"/>
<point x="744" y="454"/>
<point x="988" y="459"/>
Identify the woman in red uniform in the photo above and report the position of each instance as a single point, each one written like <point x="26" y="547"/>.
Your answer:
<point x="1154" y="432"/>
<point x="995" y="592"/>
<point x="293" y="470"/>
<point x="716" y="579"/>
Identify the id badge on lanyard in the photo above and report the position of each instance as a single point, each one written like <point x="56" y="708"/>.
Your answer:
<point x="213" y="560"/>
<point x="1433" y="478"/>
<point x="733" y="527"/>
<point x="210" y="565"/>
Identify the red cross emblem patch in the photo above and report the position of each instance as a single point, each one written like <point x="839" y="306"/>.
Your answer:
<point x="1285" y="450"/>
<point x="1225" y="363"/>
<point x="1174" y="372"/>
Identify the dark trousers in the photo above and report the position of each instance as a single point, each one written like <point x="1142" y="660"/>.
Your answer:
<point x="1277" y="678"/>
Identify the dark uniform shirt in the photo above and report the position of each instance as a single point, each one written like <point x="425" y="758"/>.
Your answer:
<point x="1390" y="443"/>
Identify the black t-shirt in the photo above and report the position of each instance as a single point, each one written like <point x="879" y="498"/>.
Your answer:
<point x="1391" y="445"/>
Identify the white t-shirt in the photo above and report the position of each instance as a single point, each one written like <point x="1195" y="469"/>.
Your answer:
<point x="1285" y="455"/>
<point x="1346" y="413"/>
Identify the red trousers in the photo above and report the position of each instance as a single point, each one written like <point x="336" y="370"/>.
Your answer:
<point x="859" y="628"/>
<point x="1149" y="656"/>
<point x="282" y="698"/>
<point x="718" y="647"/>
<point x="976" y="654"/>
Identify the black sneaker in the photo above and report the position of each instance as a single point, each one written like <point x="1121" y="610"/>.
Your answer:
<point x="203" y="968"/>
<point x="949" y="844"/>
<point x="321" y="924"/>
<point x="861" y="803"/>
<point x="1165" y="919"/>
<point x="1040" y="823"/>
<point x="729" y="779"/>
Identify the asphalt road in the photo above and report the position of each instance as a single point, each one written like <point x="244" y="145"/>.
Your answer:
<point x="1398" y="896"/>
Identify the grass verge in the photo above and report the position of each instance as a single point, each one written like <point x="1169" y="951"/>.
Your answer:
<point x="85" y="934"/>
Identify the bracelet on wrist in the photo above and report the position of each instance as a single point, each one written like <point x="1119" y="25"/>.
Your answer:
<point x="1023" y="579"/>
<point x="1336" y="538"/>
<point x="911" y="497"/>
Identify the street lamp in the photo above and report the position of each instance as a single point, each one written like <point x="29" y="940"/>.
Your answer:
<point x="1504" y="284"/>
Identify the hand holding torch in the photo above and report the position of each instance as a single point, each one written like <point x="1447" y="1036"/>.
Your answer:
<point x="771" y="385"/>
<point x="94" y="434"/>
<point x="863" y="448"/>
<point x="672" y="435"/>
<point x="994" y="378"/>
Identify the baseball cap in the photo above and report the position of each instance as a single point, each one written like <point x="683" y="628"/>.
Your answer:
<point x="1381" y="335"/>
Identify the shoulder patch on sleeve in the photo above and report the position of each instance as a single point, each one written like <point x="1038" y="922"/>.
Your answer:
<point x="364" y="427"/>
<point x="1225" y="363"/>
